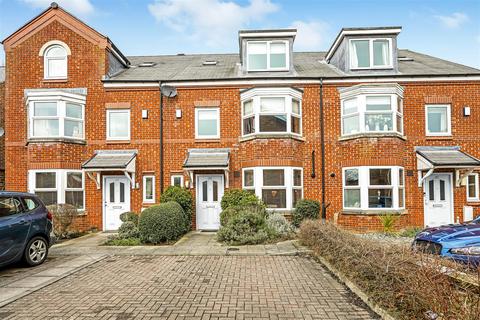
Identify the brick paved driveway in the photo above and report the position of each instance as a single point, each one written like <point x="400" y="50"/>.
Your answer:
<point x="208" y="287"/>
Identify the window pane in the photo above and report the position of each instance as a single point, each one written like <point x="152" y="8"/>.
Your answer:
<point x="431" y="190"/>
<point x="74" y="180"/>
<point x="272" y="105"/>
<point x="297" y="177"/>
<point x="248" y="180"/>
<point x="8" y="207"/>
<point x="177" y="181"/>
<point x="437" y="119"/>
<point x="74" y="128"/>
<point x="30" y="203"/>
<point x="378" y="122"/>
<point x="45" y="180"/>
<point x="247" y="107"/>
<point x="257" y="56"/>
<point x="360" y="53"/>
<point x="350" y="125"/>
<point x="350" y="106"/>
<point x="275" y="198"/>
<point x="471" y="188"/>
<point x="118" y="124"/>
<point x="295" y="106"/>
<point x="400" y="197"/>
<point x="273" y="177"/>
<point x="148" y="188"/>
<point x="278" y="56"/>
<point x="295" y="124"/>
<point x="205" y="191"/>
<point x="45" y="109"/>
<point x="375" y="103"/>
<point x="442" y="190"/>
<point x="215" y="191"/>
<point x="400" y="177"/>
<point x="277" y="123"/>
<point x="351" y="177"/>
<point x="381" y="53"/>
<point x="399" y="105"/>
<point x="45" y="128"/>
<point x="352" y="198"/>
<point x="249" y="125"/>
<point x="75" y="198"/>
<point x="112" y="192"/>
<point x="57" y="67"/>
<point x="399" y="124"/>
<point x="122" y="192"/>
<point x="48" y="197"/>
<point x="73" y="111"/>
<point x="379" y="198"/>
<point x="296" y="195"/>
<point x="380" y="177"/>
<point x="56" y="51"/>
<point x="207" y="122"/>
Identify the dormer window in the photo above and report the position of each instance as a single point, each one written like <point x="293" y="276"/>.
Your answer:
<point x="370" y="53"/>
<point x="267" y="55"/>
<point x="55" y="59"/>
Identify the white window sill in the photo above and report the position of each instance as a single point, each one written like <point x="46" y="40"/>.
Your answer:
<point x="373" y="135"/>
<point x="57" y="139"/>
<point x="271" y="136"/>
<point x="370" y="212"/>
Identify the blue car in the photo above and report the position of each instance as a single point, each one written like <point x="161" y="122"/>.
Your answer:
<point x="460" y="242"/>
<point x="25" y="227"/>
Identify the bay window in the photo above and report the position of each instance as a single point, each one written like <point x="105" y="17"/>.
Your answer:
<point x="373" y="188"/>
<point x="267" y="55"/>
<point x="370" y="53"/>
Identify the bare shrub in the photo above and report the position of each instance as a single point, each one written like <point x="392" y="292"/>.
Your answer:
<point x="410" y="285"/>
<point x="63" y="217"/>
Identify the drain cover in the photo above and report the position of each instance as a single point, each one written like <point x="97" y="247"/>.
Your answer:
<point x="233" y="249"/>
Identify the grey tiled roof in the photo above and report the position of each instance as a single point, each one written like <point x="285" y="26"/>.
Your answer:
<point x="447" y="156"/>
<point x="306" y="64"/>
<point x="200" y="158"/>
<point x="2" y="74"/>
<point x="106" y="159"/>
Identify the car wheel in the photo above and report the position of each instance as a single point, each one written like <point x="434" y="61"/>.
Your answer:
<point x="36" y="251"/>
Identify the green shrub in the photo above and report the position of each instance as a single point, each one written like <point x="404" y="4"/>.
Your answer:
<point x="305" y="209"/>
<point x="180" y="195"/>
<point x="116" y="241"/>
<point x="388" y="222"/>
<point x="245" y="228"/>
<point x="232" y="211"/>
<point x="128" y="229"/>
<point x="163" y="222"/>
<point x="228" y="214"/>
<point x="129" y="216"/>
<point x="279" y="224"/>
<point x="239" y="197"/>
<point x="410" y="232"/>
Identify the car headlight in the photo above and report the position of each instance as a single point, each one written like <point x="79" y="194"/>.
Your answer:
<point x="468" y="251"/>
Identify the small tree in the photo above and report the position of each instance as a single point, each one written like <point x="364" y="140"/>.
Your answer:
<point x="63" y="217"/>
<point x="388" y="222"/>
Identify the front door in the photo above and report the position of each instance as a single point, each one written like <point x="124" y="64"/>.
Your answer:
<point x="209" y="195"/>
<point x="438" y="209"/>
<point x="116" y="197"/>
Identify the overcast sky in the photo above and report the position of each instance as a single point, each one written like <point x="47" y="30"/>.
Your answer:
<point x="449" y="29"/>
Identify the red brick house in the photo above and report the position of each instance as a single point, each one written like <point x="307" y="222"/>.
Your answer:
<point x="365" y="128"/>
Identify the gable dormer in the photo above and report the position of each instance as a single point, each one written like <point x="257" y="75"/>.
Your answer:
<point x="365" y="50"/>
<point x="266" y="50"/>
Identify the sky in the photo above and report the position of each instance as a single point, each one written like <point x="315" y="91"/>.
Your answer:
<point x="448" y="29"/>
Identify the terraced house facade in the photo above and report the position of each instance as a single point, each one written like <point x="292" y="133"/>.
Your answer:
<point x="365" y="128"/>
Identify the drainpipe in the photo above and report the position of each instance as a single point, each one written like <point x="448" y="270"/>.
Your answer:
<point x="322" y="155"/>
<point x="161" y="135"/>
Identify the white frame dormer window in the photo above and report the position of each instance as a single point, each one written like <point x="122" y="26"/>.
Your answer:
<point x="207" y="123"/>
<point x="55" y="60"/>
<point x="378" y="53"/>
<point x="118" y="124"/>
<point x="268" y="55"/>
<point x="438" y="120"/>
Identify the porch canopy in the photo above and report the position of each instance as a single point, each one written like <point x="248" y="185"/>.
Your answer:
<point x="206" y="160"/>
<point x="111" y="160"/>
<point x="434" y="158"/>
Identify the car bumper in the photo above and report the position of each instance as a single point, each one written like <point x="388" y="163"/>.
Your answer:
<point x="435" y="248"/>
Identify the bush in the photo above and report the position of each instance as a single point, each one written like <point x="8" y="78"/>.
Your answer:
<point x="305" y="209"/>
<point x="228" y="214"/>
<point x="410" y="232"/>
<point x="232" y="211"/>
<point x="245" y="228"/>
<point x="388" y="222"/>
<point x="63" y="216"/>
<point x="279" y="224"/>
<point x="180" y="195"/>
<point x="116" y="241"/>
<point x="128" y="229"/>
<point x="240" y="198"/>
<point x="129" y="216"/>
<point x="408" y="284"/>
<point x="163" y="222"/>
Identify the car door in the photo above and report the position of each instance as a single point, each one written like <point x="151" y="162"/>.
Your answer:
<point x="14" y="228"/>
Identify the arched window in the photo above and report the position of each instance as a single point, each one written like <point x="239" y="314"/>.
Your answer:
<point x="55" y="62"/>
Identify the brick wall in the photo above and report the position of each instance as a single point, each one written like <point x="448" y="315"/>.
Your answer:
<point x="2" y="138"/>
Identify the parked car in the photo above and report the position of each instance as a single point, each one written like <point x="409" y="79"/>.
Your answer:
<point x="460" y="242"/>
<point x="25" y="227"/>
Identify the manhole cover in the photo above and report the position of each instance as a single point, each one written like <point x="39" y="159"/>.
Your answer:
<point x="233" y="249"/>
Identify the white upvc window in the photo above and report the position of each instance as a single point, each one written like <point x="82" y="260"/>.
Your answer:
<point x="438" y="120"/>
<point x="278" y="187"/>
<point x="149" y="189"/>
<point x="272" y="111"/>
<point x="118" y="124"/>
<point x="373" y="188"/>
<point x="55" y="62"/>
<point x="177" y="180"/>
<point x="473" y="187"/>
<point x="58" y="186"/>
<point x="371" y="53"/>
<point x="268" y="55"/>
<point x="207" y="123"/>
<point x="56" y="118"/>
<point x="372" y="113"/>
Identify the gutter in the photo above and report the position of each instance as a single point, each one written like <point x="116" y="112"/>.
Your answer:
<point x="322" y="150"/>
<point x="161" y="136"/>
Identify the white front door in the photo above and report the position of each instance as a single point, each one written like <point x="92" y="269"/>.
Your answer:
<point x="209" y="194"/>
<point x="116" y="197"/>
<point x="438" y="202"/>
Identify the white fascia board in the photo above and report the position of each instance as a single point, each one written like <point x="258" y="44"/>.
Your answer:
<point x="269" y="92"/>
<point x="55" y="95"/>
<point x="387" y="88"/>
<point x="267" y="34"/>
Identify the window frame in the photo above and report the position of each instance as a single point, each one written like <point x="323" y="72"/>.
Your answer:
<point x="371" y="55"/>
<point x="144" y="189"/>
<point x="197" y="111"/>
<point x="364" y="186"/>
<point x="47" y="59"/>
<point x="476" y="198"/>
<point x="268" y="44"/>
<point x="125" y="138"/>
<point x="172" y="179"/>
<point x="448" y="116"/>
